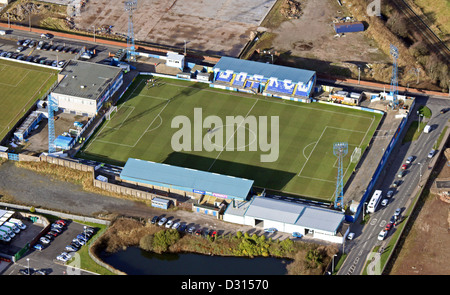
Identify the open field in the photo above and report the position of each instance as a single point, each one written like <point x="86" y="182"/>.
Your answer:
<point x="142" y="128"/>
<point x="21" y="86"/>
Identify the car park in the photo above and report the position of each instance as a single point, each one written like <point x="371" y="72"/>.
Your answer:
<point x="431" y="153"/>
<point x="270" y="230"/>
<point x="384" y="202"/>
<point x="382" y="235"/>
<point x="162" y="221"/>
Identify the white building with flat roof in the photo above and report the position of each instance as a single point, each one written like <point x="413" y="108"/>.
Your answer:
<point x="289" y="217"/>
<point x="83" y="87"/>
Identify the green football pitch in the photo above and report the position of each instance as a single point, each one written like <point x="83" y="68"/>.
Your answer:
<point x="21" y="86"/>
<point x="143" y="127"/>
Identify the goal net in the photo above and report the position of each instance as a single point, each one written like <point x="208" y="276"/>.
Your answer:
<point x="356" y="155"/>
<point x="109" y="112"/>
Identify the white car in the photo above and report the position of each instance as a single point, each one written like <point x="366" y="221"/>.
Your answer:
<point x="169" y="223"/>
<point x="431" y="153"/>
<point x="350" y="236"/>
<point x="384" y="202"/>
<point x="382" y="235"/>
<point x="162" y="221"/>
<point x="64" y="257"/>
<point x="44" y="240"/>
<point x="176" y="225"/>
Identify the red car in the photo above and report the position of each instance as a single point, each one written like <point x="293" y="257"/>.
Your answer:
<point x="61" y="221"/>
<point x="404" y="166"/>
<point x="388" y="227"/>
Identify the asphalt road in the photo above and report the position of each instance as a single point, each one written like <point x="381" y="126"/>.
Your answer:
<point x="359" y="249"/>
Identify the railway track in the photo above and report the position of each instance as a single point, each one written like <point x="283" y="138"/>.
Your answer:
<point x="433" y="42"/>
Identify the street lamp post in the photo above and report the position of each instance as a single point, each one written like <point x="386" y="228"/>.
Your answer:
<point x="28" y="260"/>
<point x="94" y="33"/>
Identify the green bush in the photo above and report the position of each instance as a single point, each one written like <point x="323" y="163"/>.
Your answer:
<point x="146" y="243"/>
<point x="162" y="240"/>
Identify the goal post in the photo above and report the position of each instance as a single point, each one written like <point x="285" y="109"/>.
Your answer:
<point x="356" y="155"/>
<point x="109" y="112"/>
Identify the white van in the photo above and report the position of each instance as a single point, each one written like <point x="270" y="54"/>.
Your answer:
<point x="427" y="129"/>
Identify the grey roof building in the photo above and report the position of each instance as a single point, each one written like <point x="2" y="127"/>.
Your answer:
<point x="84" y="86"/>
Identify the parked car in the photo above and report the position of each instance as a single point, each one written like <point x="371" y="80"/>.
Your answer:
<point x="46" y="46"/>
<point x="58" y="230"/>
<point x="76" y="243"/>
<point x="404" y="166"/>
<point x="26" y="271"/>
<point x="71" y="248"/>
<point x="299" y="235"/>
<point x="48" y="236"/>
<point x="59" y="48"/>
<point x="41" y="272"/>
<point x="19" y="42"/>
<point x="397" y="183"/>
<point x="398" y="211"/>
<point x="169" y="223"/>
<point x="388" y="227"/>
<point x="182" y="227"/>
<point x="444" y="110"/>
<point x="64" y="257"/>
<point x="162" y="221"/>
<point x="53" y="233"/>
<point x="54" y="63"/>
<point x="32" y="44"/>
<point x="382" y="235"/>
<point x="410" y="159"/>
<point x="350" y="236"/>
<point x="57" y="225"/>
<point x="390" y="193"/>
<point x="176" y="225"/>
<point x="61" y="221"/>
<point x="431" y="153"/>
<point x="191" y="230"/>
<point x="384" y="202"/>
<point x="270" y="230"/>
<point x="213" y="234"/>
<point x="38" y="247"/>
<point x="26" y="42"/>
<point x="401" y="173"/>
<point x="40" y="45"/>
<point x="198" y="232"/>
<point x="44" y="240"/>
<point x="61" y="63"/>
<point x="20" y="49"/>
<point x="155" y="219"/>
<point x="46" y="35"/>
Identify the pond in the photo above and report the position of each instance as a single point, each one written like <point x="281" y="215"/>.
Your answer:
<point x="135" y="261"/>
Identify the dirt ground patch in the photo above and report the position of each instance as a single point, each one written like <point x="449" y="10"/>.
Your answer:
<point x="425" y="250"/>
<point x="310" y="41"/>
<point x="215" y="27"/>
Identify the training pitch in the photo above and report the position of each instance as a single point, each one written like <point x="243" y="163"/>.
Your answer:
<point x="146" y="126"/>
<point x="21" y="86"/>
